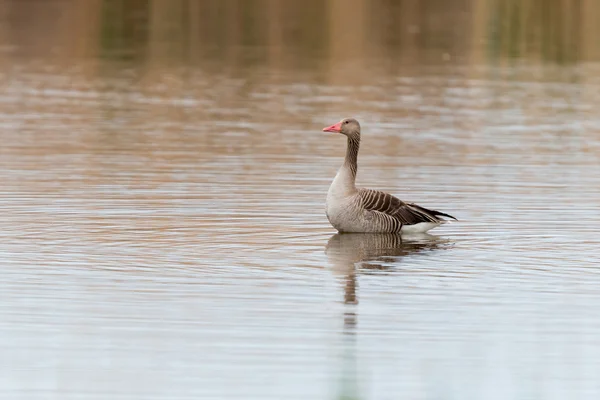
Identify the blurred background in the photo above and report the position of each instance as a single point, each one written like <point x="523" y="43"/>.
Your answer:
<point x="164" y="173"/>
<point x="302" y="35"/>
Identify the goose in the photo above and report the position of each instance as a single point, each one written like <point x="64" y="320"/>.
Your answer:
<point x="351" y="209"/>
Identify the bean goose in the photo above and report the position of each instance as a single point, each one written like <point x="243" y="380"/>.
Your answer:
<point x="352" y="209"/>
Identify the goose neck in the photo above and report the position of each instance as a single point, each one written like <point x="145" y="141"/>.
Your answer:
<point x="351" y="160"/>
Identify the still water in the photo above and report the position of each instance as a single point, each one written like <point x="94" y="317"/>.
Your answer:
<point x="163" y="233"/>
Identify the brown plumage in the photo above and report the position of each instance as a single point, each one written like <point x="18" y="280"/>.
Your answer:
<point x="406" y="214"/>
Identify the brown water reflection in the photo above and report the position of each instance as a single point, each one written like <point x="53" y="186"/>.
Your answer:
<point x="164" y="177"/>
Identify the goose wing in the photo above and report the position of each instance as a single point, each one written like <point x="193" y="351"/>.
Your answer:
<point x="407" y="214"/>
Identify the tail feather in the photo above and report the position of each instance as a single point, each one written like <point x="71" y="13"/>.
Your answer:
<point x="435" y="213"/>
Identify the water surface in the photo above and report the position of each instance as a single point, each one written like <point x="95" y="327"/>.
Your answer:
<point x="163" y="232"/>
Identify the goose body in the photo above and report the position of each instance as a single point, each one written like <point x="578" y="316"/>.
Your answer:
<point x="360" y="210"/>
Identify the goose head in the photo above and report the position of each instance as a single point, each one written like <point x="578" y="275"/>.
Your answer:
<point x="348" y="126"/>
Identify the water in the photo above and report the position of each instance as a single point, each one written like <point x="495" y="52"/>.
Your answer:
<point x="163" y="233"/>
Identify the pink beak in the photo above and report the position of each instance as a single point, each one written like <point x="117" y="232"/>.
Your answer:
<point x="334" y="128"/>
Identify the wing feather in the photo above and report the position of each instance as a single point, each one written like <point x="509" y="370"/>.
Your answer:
<point x="405" y="214"/>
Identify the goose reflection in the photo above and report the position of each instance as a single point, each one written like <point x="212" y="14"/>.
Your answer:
<point x="368" y="251"/>
<point x="348" y="253"/>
